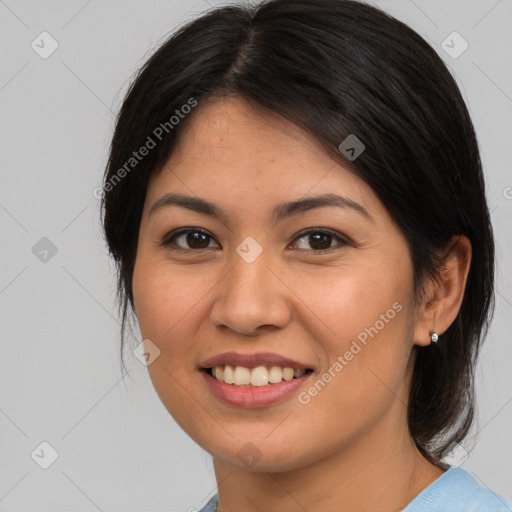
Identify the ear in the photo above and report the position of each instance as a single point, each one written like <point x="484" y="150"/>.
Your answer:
<point x="444" y="294"/>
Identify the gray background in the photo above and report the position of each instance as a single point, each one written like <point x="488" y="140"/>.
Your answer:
<point x="118" y="448"/>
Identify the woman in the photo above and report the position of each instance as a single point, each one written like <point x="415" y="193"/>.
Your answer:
<point x="295" y="202"/>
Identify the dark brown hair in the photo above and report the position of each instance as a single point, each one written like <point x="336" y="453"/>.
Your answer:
<point x="335" y="68"/>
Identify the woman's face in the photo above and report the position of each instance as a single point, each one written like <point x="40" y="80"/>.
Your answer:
<point x="253" y="282"/>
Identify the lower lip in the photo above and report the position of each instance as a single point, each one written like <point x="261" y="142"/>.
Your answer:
<point x="256" y="396"/>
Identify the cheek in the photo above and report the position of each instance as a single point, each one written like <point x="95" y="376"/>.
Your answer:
<point x="363" y="315"/>
<point x="167" y="302"/>
<point x="355" y="303"/>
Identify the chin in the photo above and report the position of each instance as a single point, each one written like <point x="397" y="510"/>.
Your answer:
<point x="259" y="457"/>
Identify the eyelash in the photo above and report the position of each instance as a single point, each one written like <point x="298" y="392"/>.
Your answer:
<point x="168" y="241"/>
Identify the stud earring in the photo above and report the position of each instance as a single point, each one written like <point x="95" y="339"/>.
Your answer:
<point x="434" y="337"/>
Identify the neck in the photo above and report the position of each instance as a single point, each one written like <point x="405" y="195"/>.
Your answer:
<point x="383" y="470"/>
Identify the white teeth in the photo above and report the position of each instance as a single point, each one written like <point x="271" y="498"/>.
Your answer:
<point x="258" y="376"/>
<point x="287" y="373"/>
<point x="242" y="376"/>
<point x="218" y="373"/>
<point x="229" y="377"/>
<point x="275" y="374"/>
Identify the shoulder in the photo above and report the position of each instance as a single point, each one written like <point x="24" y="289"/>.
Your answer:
<point x="457" y="491"/>
<point x="211" y="506"/>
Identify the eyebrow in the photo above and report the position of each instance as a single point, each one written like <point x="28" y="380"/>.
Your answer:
<point x="280" y="211"/>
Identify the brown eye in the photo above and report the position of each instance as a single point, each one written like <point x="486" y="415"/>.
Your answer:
<point x="197" y="240"/>
<point x="320" y="240"/>
<point x="189" y="239"/>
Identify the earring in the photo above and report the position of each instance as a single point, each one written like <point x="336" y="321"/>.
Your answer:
<point x="434" y="337"/>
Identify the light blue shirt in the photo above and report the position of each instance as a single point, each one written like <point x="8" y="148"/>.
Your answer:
<point x="454" y="491"/>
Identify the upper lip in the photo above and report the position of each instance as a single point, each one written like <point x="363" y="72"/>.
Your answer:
<point x="252" y="360"/>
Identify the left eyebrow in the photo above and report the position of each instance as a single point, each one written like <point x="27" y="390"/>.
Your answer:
<point x="280" y="212"/>
<point x="284" y="210"/>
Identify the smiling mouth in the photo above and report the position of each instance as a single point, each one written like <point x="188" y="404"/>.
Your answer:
<point x="258" y="376"/>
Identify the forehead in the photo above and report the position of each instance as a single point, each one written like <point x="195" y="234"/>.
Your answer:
<point x="238" y="155"/>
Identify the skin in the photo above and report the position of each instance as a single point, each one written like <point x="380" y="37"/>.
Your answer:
<point x="349" y="448"/>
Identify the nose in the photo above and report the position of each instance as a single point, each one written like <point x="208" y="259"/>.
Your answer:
<point x="251" y="298"/>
